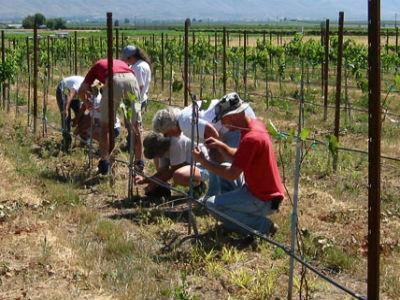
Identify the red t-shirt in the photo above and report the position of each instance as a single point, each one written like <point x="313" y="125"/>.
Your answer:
<point x="99" y="70"/>
<point x="255" y="156"/>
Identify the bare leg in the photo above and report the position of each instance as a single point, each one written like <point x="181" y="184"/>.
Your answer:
<point x="182" y="176"/>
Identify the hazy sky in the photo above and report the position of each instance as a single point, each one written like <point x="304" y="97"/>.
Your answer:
<point x="213" y="9"/>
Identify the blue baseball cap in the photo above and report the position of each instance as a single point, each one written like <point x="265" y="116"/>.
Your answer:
<point x="128" y="51"/>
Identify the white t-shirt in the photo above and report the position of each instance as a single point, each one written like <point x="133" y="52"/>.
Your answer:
<point x="97" y="113"/>
<point x="180" y="151"/>
<point x="143" y="75"/>
<point x="205" y="116"/>
<point x="72" y="82"/>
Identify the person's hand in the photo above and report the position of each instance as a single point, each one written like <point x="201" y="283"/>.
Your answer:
<point x="198" y="155"/>
<point x="65" y="113"/>
<point x="139" y="179"/>
<point x="213" y="143"/>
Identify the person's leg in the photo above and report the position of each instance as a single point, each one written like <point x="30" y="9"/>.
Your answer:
<point x="242" y="206"/>
<point x="182" y="176"/>
<point x="60" y="103"/>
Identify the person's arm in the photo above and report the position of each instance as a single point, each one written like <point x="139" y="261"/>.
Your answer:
<point x="210" y="131"/>
<point x="228" y="172"/>
<point x="71" y="96"/>
<point x="213" y="143"/>
<point x="164" y="174"/>
<point x="84" y="91"/>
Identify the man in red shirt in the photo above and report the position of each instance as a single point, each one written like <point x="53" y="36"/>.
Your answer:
<point x="124" y="82"/>
<point x="263" y="190"/>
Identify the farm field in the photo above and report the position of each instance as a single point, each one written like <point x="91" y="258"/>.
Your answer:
<point x="69" y="234"/>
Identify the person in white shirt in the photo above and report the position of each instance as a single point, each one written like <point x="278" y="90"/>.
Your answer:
<point x="174" y="121"/>
<point x="140" y="63"/>
<point x="84" y="119"/>
<point x="67" y="99"/>
<point x="172" y="157"/>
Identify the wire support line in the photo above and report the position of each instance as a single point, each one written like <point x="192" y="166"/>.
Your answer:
<point x="351" y="108"/>
<point x="283" y="247"/>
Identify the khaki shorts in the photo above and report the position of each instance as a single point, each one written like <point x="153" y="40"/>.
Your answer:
<point x="124" y="83"/>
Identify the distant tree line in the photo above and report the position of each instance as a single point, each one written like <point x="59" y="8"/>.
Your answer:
<point x="41" y="21"/>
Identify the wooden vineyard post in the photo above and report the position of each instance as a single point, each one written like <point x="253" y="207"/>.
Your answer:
<point x="3" y="60"/>
<point x="70" y="54"/>
<point x="162" y="61"/>
<point x="338" y="86"/>
<point x="224" y="78"/>
<point x="186" y="64"/>
<point x="322" y="63"/>
<point x="326" y="69"/>
<point x="374" y="148"/>
<point x="28" y="66"/>
<point x="397" y="40"/>
<point x="75" y="52"/>
<point x="215" y="63"/>
<point x="35" y="77"/>
<point x="116" y="43"/>
<point x="48" y="61"/>
<point x="110" y="82"/>
<point x="245" y="63"/>
<point x="387" y="41"/>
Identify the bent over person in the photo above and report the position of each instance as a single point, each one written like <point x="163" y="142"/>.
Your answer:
<point x="124" y="82"/>
<point x="263" y="191"/>
<point x="67" y="99"/>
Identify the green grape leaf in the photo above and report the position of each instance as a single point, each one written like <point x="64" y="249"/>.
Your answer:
<point x="205" y="104"/>
<point x="332" y="144"/>
<point x="304" y="134"/>
<point x="272" y="129"/>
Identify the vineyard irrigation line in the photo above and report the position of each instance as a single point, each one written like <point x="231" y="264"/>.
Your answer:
<point x="256" y="233"/>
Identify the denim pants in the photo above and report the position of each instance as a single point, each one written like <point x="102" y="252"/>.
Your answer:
<point x="242" y="206"/>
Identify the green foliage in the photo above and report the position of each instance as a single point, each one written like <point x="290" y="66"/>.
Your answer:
<point x="9" y="69"/>
<point x="332" y="144"/>
<point x="180" y="292"/>
<point x="29" y="21"/>
<point x="126" y="105"/>
<point x="56" y="23"/>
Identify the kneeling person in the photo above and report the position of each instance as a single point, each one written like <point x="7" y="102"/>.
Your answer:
<point x="263" y="190"/>
<point x="172" y="157"/>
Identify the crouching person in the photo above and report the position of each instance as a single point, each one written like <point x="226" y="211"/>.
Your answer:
<point x="172" y="157"/>
<point x="88" y="121"/>
<point x="263" y="189"/>
<point x="67" y="99"/>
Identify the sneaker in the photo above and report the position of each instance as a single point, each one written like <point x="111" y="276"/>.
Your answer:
<point x="139" y="165"/>
<point x="272" y="231"/>
<point x="103" y="166"/>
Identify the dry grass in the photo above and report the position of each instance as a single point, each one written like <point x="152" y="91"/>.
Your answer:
<point x="65" y="239"/>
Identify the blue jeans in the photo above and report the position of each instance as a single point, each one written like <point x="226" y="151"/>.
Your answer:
<point x="218" y="185"/>
<point x="242" y="206"/>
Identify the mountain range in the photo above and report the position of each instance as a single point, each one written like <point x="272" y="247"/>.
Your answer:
<point x="240" y="10"/>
